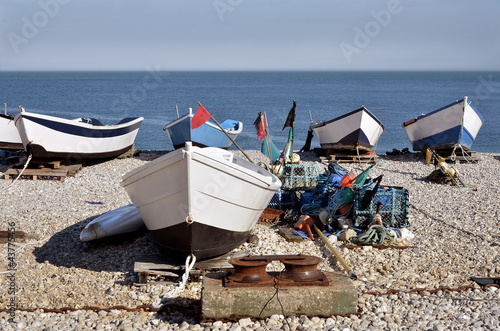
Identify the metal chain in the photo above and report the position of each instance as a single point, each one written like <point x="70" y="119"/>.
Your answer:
<point x="150" y="308"/>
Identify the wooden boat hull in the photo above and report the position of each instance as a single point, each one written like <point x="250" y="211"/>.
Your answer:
<point x="207" y="135"/>
<point x="9" y="136"/>
<point x="357" y="130"/>
<point x="454" y="125"/>
<point x="49" y="137"/>
<point x="202" y="201"/>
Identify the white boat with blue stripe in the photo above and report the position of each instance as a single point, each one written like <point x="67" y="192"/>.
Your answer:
<point x="207" y="135"/>
<point x="49" y="137"/>
<point x="452" y="126"/>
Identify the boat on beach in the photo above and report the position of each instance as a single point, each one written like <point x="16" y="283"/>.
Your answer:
<point x="9" y="136"/>
<point x="49" y="137"/>
<point x="455" y="125"/>
<point x="207" y="135"/>
<point x="122" y="220"/>
<point x="201" y="201"/>
<point x="358" y="130"/>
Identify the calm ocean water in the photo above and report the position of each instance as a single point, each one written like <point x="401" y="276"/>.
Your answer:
<point x="394" y="97"/>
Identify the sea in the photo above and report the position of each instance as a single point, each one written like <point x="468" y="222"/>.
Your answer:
<point x="162" y="96"/>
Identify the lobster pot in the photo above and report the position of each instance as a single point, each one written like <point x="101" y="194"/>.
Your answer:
<point x="394" y="208"/>
<point x="283" y="200"/>
<point x="300" y="177"/>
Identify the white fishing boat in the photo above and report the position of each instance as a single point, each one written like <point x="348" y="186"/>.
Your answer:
<point x="201" y="201"/>
<point x="358" y="130"/>
<point x="50" y="137"/>
<point x="9" y="136"/>
<point x="122" y="220"/>
<point x="454" y="125"/>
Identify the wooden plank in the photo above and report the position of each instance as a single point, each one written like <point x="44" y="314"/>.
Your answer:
<point x="160" y="265"/>
<point x="72" y="169"/>
<point x="288" y="235"/>
<point x="18" y="236"/>
<point x="47" y="164"/>
<point x="35" y="173"/>
<point x="350" y="158"/>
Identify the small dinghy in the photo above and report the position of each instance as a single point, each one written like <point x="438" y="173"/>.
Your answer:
<point x="207" y="135"/>
<point x="122" y="220"/>
<point x="201" y="201"/>
<point x="455" y="125"/>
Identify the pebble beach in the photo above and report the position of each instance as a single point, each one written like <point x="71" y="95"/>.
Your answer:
<point x="456" y="228"/>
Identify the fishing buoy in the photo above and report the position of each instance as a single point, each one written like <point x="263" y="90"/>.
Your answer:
<point x="347" y="180"/>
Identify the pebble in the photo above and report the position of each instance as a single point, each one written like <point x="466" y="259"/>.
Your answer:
<point x="456" y="233"/>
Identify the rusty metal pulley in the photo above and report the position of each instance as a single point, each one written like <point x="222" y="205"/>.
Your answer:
<point x="300" y="270"/>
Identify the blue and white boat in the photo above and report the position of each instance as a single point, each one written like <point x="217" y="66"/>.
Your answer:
<point x="207" y="135"/>
<point x="455" y="125"/>
<point x="358" y="130"/>
<point x="49" y="137"/>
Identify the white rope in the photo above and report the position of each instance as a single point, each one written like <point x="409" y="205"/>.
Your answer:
<point x="467" y="156"/>
<point x="179" y="287"/>
<point x="23" y="246"/>
<point x="25" y="166"/>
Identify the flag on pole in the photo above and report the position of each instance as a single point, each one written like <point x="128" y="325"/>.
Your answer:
<point x="291" y="117"/>
<point x="259" y="126"/>
<point x="269" y="149"/>
<point x="200" y="117"/>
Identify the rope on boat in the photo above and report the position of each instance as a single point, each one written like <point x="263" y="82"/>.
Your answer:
<point x="453" y="156"/>
<point x="25" y="166"/>
<point x="179" y="287"/>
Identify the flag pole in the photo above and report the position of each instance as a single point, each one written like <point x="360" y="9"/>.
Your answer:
<point x="227" y="134"/>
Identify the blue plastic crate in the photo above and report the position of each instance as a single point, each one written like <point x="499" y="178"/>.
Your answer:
<point x="283" y="200"/>
<point x="394" y="208"/>
<point x="303" y="177"/>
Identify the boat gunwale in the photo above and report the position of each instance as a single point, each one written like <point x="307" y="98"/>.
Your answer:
<point x="7" y="116"/>
<point x="74" y="122"/>
<point x="266" y="180"/>
<point x="422" y="116"/>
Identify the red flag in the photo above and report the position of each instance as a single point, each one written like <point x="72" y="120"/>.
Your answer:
<point x="200" y="117"/>
<point x="261" y="133"/>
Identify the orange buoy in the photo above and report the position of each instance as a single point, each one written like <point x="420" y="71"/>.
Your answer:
<point x="347" y="180"/>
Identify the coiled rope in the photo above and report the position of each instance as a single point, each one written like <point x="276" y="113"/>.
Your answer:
<point x="374" y="236"/>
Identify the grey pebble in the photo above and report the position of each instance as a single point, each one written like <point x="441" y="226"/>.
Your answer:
<point x="456" y="233"/>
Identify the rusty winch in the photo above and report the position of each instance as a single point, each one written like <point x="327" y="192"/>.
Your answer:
<point x="300" y="270"/>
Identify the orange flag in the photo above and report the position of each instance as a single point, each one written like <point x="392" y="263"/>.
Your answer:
<point x="200" y="117"/>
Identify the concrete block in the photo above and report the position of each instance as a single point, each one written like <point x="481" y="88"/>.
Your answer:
<point x="217" y="301"/>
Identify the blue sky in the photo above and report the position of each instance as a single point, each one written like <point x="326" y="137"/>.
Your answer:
<point x="249" y="35"/>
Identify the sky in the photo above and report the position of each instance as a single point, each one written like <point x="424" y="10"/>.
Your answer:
<point x="249" y="35"/>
